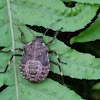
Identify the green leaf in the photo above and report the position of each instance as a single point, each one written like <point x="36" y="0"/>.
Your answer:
<point x="90" y="34"/>
<point x="79" y="65"/>
<point x="39" y="13"/>
<point x="47" y="90"/>
<point x="96" y="86"/>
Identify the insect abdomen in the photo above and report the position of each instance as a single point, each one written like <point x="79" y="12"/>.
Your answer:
<point x="34" y="71"/>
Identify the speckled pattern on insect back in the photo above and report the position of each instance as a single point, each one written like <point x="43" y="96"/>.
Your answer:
<point x="34" y="64"/>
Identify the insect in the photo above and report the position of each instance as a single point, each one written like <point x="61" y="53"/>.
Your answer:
<point x="34" y="64"/>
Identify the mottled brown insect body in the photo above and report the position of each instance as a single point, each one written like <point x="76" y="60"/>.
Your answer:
<point x="34" y="64"/>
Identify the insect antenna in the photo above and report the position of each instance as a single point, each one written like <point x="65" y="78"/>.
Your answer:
<point x="25" y="25"/>
<point x="50" y="26"/>
<point x="46" y="29"/>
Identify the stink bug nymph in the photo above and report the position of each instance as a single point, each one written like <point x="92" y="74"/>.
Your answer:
<point x="34" y="64"/>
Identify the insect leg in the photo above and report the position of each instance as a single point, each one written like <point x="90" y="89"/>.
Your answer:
<point x="22" y="34"/>
<point x="52" y="39"/>
<point x="59" y="70"/>
<point x="12" y="50"/>
<point x="52" y="51"/>
<point x="10" y="62"/>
